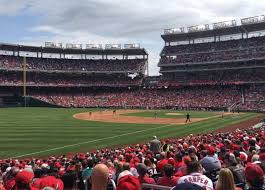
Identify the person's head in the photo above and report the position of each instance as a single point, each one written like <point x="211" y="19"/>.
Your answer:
<point x="141" y="169"/>
<point x="154" y="137"/>
<point x="126" y="166"/>
<point x="230" y="159"/>
<point x="178" y="157"/>
<point x="255" y="158"/>
<point x="211" y="151"/>
<point x="252" y="142"/>
<point x="252" y="150"/>
<point x="225" y="180"/>
<point x="254" y="176"/>
<point x="90" y="163"/>
<point x="148" y="162"/>
<point x="194" y="166"/>
<point x="109" y="164"/>
<point x="203" y="153"/>
<point x="162" y="155"/>
<point x="187" y="186"/>
<point x="126" y="181"/>
<point x="99" y="177"/>
<point x="168" y="170"/>
<point x="23" y="179"/>
<point x="118" y="167"/>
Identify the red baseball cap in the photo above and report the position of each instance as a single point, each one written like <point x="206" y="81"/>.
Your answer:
<point x="253" y="171"/>
<point x="128" y="182"/>
<point x="24" y="177"/>
<point x="51" y="181"/>
<point x="211" y="150"/>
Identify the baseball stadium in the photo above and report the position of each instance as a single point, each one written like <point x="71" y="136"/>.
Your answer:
<point x="73" y="109"/>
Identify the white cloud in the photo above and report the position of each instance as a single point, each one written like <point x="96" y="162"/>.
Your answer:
<point x="123" y="21"/>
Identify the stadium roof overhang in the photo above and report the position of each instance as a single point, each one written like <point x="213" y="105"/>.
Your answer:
<point x="255" y="27"/>
<point x="18" y="48"/>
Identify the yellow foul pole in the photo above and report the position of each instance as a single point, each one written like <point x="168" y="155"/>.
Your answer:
<point x="25" y="80"/>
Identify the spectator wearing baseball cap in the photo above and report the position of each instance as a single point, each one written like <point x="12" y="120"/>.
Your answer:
<point x="211" y="161"/>
<point x="52" y="182"/>
<point x="126" y="181"/>
<point x="24" y="180"/>
<point x="254" y="177"/>
<point x="187" y="186"/>
<point x="168" y="178"/>
<point x="143" y="175"/>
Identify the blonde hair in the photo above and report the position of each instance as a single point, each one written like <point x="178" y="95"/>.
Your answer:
<point x="225" y="180"/>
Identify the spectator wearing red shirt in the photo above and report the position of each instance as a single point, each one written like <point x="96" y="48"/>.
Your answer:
<point x="162" y="162"/>
<point x="179" y="161"/>
<point x="168" y="179"/>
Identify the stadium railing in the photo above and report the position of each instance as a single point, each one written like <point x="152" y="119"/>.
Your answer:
<point x="155" y="187"/>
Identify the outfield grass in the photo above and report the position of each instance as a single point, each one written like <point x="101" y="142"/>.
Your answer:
<point x="35" y="132"/>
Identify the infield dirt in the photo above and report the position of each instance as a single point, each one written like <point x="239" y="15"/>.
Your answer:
<point x="108" y="116"/>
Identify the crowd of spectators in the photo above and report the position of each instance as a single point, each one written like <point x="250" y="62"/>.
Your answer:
<point x="223" y="51"/>
<point x="218" y="77"/>
<point x="215" y="46"/>
<point x="257" y="105"/>
<point x="220" y="56"/>
<point x="93" y="65"/>
<point x="249" y="98"/>
<point x="255" y="93"/>
<point x="67" y="80"/>
<point x="221" y="161"/>
<point x="208" y="97"/>
<point x="254" y="99"/>
<point x="213" y="77"/>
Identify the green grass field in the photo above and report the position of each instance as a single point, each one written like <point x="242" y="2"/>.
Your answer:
<point x="38" y="132"/>
<point x="166" y="114"/>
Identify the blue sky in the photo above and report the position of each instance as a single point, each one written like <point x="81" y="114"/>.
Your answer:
<point x="113" y="21"/>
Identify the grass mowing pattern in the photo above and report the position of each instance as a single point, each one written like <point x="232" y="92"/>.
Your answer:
<point x="29" y="130"/>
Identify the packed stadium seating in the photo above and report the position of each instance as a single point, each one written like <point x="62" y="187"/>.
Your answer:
<point x="51" y="64"/>
<point x="215" y="46"/>
<point x="66" y="80"/>
<point x="232" y="50"/>
<point x="218" y="77"/>
<point x="208" y="97"/>
<point x="240" y="151"/>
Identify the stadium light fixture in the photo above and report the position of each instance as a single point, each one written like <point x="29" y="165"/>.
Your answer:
<point x="174" y="31"/>
<point x="131" y="46"/>
<point x="73" y="46"/>
<point x="53" y="45"/>
<point x="252" y="20"/>
<point x="113" y="46"/>
<point x="224" y="24"/>
<point x="93" y="46"/>
<point x="199" y="28"/>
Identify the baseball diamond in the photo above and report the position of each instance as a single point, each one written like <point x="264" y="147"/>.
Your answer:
<point x="185" y="109"/>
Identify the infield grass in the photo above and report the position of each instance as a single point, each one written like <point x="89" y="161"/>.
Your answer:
<point x="39" y="132"/>
<point x="174" y="114"/>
